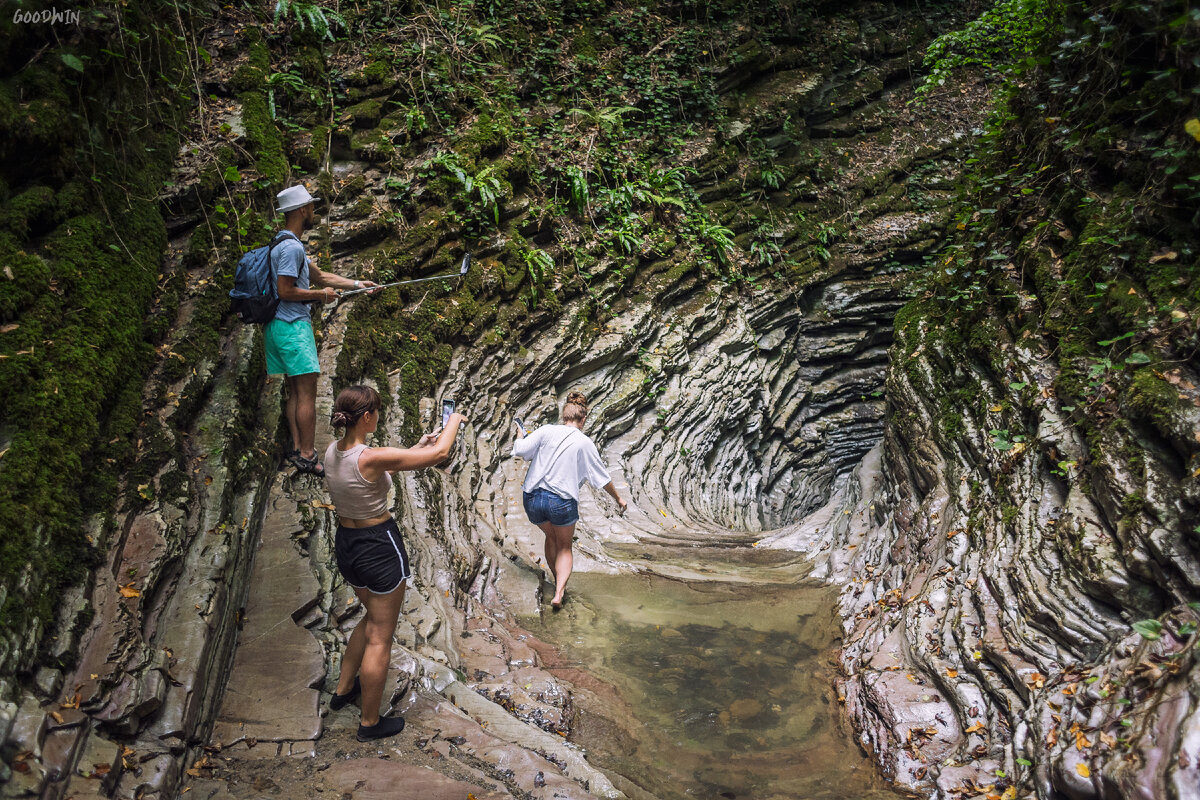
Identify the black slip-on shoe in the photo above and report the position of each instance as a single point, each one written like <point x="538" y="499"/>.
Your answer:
<point x="342" y="700"/>
<point x="387" y="726"/>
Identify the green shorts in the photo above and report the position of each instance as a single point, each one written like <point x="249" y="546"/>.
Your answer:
<point x="291" y="347"/>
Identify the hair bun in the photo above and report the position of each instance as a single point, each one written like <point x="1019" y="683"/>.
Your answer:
<point x="340" y="419"/>
<point x="577" y="398"/>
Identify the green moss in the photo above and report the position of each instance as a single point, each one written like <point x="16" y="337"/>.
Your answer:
<point x="377" y="71"/>
<point x="33" y="207"/>
<point x="264" y="138"/>
<point x="365" y="114"/>
<point x="1133" y="504"/>
<point x="310" y="62"/>
<point x="83" y="244"/>
<point x="250" y="79"/>
<point x="1152" y="398"/>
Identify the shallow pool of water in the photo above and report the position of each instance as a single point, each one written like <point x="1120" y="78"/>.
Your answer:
<point x="722" y="689"/>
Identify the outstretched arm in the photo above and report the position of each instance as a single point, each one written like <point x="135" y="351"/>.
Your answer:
<point x="322" y="278"/>
<point x="377" y="460"/>
<point x="612" y="490"/>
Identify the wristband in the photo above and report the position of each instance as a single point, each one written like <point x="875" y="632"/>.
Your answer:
<point x="358" y="284"/>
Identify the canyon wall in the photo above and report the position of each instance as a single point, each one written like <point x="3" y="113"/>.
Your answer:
<point x="975" y="408"/>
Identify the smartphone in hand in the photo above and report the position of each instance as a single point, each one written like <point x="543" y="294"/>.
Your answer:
<point x="447" y="410"/>
<point x="521" y="425"/>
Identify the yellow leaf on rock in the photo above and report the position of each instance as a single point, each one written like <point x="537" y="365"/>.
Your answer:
<point x="1192" y="126"/>
<point x="978" y="726"/>
<point x="1009" y="794"/>
<point x="1083" y="770"/>
<point x="128" y="591"/>
<point x="951" y="673"/>
<point x="994" y="409"/>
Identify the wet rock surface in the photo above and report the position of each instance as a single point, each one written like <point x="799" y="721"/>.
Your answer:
<point x="987" y="601"/>
<point x="722" y="414"/>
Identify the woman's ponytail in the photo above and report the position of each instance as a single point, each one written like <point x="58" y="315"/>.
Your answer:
<point x="576" y="408"/>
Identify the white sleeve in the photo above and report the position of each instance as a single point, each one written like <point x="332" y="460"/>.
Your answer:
<point x="594" y="471"/>
<point x="527" y="446"/>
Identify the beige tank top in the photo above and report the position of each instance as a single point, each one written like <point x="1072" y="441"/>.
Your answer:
<point x="353" y="496"/>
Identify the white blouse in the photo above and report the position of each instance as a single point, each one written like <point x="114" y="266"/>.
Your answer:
<point x="562" y="459"/>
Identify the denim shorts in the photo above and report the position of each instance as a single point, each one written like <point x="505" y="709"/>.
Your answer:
<point x="290" y="347"/>
<point x="543" y="505"/>
<point x="372" y="558"/>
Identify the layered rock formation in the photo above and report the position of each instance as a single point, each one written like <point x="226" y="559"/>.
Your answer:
<point x="1022" y="605"/>
<point x="997" y="524"/>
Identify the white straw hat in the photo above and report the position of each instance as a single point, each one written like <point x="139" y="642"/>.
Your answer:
<point x="294" y="197"/>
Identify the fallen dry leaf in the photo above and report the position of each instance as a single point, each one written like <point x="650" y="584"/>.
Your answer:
<point x="978" y="726"/>
<point x="1083" y="770"/>
<point x="319" y="504"/>
<point x="128" y="591"/>
<point x="57" y="717"/>
<point x="951" y="673"/>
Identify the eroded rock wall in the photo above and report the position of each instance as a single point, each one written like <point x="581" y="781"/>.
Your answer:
<point x="1022" y="591"/>
<point x="778" y="262"/>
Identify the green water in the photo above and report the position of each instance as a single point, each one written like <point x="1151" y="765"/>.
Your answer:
<point x="715" y="689"/>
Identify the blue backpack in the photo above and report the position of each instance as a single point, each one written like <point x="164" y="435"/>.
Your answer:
<point x="254" y="294"/>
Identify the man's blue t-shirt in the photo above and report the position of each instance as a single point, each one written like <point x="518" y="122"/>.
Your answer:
<point x="288" y="258"/>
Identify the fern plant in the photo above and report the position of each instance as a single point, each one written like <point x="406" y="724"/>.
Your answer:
<point x="310" y="15"/>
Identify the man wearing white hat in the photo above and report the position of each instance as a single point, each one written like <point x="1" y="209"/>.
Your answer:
<point x="290" y="346"/>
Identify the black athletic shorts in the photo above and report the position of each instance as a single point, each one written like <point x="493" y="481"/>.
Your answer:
<point x="372" y="558"/>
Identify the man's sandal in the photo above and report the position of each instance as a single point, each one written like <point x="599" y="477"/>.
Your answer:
<point x="309" y="466"/>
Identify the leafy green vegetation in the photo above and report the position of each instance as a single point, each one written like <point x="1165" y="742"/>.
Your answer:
<point x="1077" y="231"/>
<point x="1004" y="39"/>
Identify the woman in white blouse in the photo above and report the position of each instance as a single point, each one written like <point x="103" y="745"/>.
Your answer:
<point x="562" y="459"/>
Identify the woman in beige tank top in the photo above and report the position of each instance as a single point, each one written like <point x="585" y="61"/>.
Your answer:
<point x="369" y="549"/>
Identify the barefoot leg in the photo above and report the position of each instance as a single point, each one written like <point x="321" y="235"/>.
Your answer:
<point x="551" y="549"/>
<point x="563" y="534"/>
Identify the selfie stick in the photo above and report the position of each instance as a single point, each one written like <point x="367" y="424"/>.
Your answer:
<point x="466" y="265"/>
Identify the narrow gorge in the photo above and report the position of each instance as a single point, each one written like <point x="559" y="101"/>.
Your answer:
<point x="886" y="311"/>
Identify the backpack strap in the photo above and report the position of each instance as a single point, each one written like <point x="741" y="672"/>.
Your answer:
<point x="279" y="237"/>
